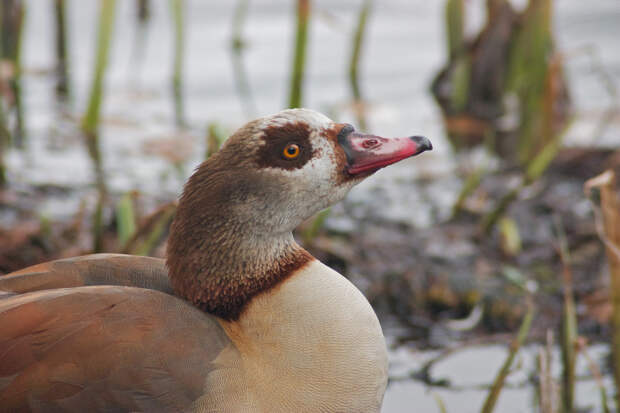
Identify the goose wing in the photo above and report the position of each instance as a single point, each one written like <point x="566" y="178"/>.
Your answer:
<point x="104" y="348"/>
<point x="94" y="269"/>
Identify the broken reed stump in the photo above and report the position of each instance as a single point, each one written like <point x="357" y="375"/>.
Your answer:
<point x="506" y="87"/>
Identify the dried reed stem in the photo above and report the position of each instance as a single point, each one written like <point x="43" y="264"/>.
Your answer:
<point x="607" y="219"/>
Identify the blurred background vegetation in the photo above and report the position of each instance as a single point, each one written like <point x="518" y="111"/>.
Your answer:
<point x="493" y="262"/>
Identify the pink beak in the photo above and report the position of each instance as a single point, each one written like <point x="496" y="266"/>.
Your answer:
<point x="369" y="153"/>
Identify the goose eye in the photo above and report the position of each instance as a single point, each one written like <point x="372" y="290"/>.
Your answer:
<point x="291" y="151"/>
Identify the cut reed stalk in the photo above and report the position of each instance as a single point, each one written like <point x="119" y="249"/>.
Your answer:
<point x="607" y="220"/>
<point x="62" y="66"/>
<point x="354" y="81"/>
<point x="299" y="56"/>
<point x="178" y="16"/>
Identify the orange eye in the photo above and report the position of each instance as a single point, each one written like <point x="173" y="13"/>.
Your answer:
<point x="291" y="151"/>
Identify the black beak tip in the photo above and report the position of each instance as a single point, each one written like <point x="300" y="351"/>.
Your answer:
<point x="422" y="143"/>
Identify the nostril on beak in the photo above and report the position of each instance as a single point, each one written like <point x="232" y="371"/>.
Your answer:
<point x="422" y="143"/>
<point x="369" y="143"/>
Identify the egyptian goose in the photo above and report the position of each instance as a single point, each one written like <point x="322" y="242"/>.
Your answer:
<point x="239" y="318"/>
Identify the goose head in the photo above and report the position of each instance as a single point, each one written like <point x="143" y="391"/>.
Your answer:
<point x="239" y="208"/>
<point x="277" y="171"/>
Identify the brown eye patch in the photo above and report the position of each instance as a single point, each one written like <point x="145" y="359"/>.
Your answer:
<point x="286" y="146"/>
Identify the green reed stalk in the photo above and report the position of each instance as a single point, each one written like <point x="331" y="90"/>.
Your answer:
<point x="498" y="383"/>
<point x="4" y="143"/>
<point x="299" y="57"/>
<point x="143" y="8"/>
<point x="125" y="219"/>
<point x="62" y="69"/>
<point x="472" y="182"/>
<point x="157" y="232"/>
<point x="569" y="325"/>
<point x="11" y="30"/>
<point x="238" y="45"/>
<point x="455" y="23"/>
<point x="215" y="137"/>
<point x="358" y="41"/>
<point x="5" y="136"/>
<point x="144" y="11"/>
<point x="533" y="170"/>
<point x="178" y="16"/>
<point x="528" y="76"/>
<point x="90" y="121"/>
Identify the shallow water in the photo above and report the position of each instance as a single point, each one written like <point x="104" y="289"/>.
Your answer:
<point x="404" y="51"/>
<point x="469" y="369"/>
